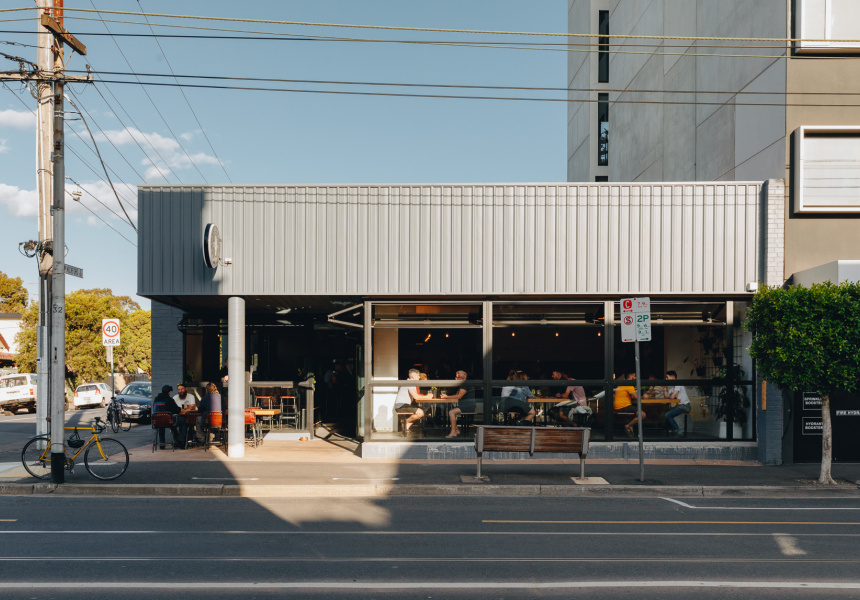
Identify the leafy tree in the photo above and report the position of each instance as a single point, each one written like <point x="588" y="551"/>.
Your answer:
<point x="85" y="354"/>
<point x="13" y="294"/>
<point x="807" y="339"/>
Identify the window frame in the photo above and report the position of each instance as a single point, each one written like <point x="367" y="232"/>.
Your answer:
<point x="805" y="43"/>
<point x="800" y="135"/>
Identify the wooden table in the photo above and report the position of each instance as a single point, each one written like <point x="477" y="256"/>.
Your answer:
<point x="267" y="413"/>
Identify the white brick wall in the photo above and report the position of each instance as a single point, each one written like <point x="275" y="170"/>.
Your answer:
<point x="773" y="244"/>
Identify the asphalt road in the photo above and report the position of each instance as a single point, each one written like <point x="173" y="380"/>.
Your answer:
<point x="428" y="547"/>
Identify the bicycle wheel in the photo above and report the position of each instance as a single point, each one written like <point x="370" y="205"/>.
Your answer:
<point x="36" y="457"/>
<point x="112" y="417"/>
<point x="108" y="463"/>
<point x="124" y="422"/>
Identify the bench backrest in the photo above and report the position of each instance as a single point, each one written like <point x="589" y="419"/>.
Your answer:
<point x="492" y="438"/>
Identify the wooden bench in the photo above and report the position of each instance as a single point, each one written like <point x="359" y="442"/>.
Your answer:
<point x="497" y="438"/>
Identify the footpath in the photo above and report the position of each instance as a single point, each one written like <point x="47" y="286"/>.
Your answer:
<point x="333" y="469"/>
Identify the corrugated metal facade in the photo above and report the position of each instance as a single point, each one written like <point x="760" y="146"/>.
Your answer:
<point x="667" y="238"/>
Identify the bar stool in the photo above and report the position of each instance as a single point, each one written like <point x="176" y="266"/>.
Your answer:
<point x="289" y="412"/>
<point x="191" y="427"/>
<point x="256" y="431"/>
<point x="213" y="424"/>
<point x="160" y="422"/>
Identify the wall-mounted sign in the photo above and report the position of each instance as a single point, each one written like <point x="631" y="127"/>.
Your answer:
<point x="848" y="413"/>
<point x="811" y="401"/>
<point x="812" y="426"/>
<point x="211" y="246"/>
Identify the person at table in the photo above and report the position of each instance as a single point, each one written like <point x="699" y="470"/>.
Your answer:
<point x="679" y="393"/>
<point x="406" y="402"/>
<point x="657" y="392"/>
<point x="163" y="402"/>
<point x="515" y="398"/>
<point x="457" y="394"/>
<point x="574" y="404"/>
<point x="211" y="402"/>
<point x="625" y="396"/>
<point x="183" y="399"/>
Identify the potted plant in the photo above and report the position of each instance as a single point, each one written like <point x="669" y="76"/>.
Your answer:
<point x="698" y="366"/>
<point x="732" y="400"/>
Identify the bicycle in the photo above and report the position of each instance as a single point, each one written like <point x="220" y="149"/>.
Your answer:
<point x="115" y="416"/>
<point x="104" y="458"/>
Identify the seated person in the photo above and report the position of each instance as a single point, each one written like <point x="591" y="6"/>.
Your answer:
<point x="623" y="405"/>
<point x="405" y="402"/>
<point x="679" y="393"/>
<point x="163" y="402"/>
<point x="464" y="404"/>
<point x="515" y="398"/>
<point x="211" y="402"/>
<point x="574" y="410"/>
<point x="658" y="392"/>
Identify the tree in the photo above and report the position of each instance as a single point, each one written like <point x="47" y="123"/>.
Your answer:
<point x="13" y="294"/>
<point x="85" y="354"/>
<point x="807" y="339"/>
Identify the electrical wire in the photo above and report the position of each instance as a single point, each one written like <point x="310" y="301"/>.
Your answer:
<point x="97" y="216"/>
<point x="123" y="221"/>
<point x="96" y="147"/>
<point x="199" y="124"/>
<point x="158" y="111"/>
<point x="464" y="97"/>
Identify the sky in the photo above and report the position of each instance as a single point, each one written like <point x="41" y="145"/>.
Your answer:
<point x="149" y="134"/>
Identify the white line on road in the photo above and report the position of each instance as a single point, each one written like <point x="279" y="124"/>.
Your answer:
<point x="625" y="534"/>
<point x="788" y="545"/>
<point x="226" y="479"/>
<point x="370" y="479"/>
<point x="685" y="505"/>
<point x="431" y="585"/>
<point x="426" y="559"/>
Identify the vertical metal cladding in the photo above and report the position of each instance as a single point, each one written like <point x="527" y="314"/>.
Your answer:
<point x="678" y="238"/>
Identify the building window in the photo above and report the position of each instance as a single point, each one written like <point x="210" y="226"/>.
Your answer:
<point x="603" y="130"/>
<point x="601" y="179"/>
<point x="827" y="169"/>
<point x="603" y="47"/>
<point x="827" y="26"/>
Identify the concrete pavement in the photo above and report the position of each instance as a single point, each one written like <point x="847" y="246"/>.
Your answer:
<point x="333" y="468"/>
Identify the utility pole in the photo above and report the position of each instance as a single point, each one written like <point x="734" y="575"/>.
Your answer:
<point x="50" y="250"/>
<point x="44" y="186"/>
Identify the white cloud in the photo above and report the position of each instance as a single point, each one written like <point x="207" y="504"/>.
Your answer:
<point x="169" y="156"/>
<point x="4" y="146"/>
<point x="94" y="191"/>
<point x="20" y="203"/>
<point x="20" y="119"/>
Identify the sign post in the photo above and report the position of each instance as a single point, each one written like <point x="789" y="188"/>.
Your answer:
<point x="110" y="338"/>
<point x="636" y="327"/>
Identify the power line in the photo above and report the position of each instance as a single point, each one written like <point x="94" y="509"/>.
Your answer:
<point x="155" y="106"/>
<point x="97" y="200"/>
<point x="199" y="124"/>
<point x="461" y="86"/>
<point x="97" y="216"/>
<point x="464" y="97"/>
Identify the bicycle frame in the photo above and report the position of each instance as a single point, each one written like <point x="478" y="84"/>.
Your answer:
<point x="46" y="453"/>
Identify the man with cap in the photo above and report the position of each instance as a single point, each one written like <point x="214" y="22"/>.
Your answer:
<point x="165" y="403"/>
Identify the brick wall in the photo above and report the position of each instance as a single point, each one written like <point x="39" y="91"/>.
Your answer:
<point x="167" y="356"/>
<point x="773" y="230"/>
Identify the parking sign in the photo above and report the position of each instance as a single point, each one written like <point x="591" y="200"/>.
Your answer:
<point x="110" y="332"/>
<point x="636" y="320"/>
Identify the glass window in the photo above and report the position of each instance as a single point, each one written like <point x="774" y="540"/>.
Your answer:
<point x="603" y="130"/>
<point x="827" y="26"/>
<point x="603" y="47"/>
<point x="827" y="169"/>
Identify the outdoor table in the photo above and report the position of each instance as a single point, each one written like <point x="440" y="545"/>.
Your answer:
<point x="264" y="414"/>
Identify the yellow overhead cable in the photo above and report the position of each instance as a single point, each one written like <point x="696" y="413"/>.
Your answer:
<point x="431" y="29"/>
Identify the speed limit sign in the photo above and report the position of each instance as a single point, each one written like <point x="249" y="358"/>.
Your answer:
<point x="110" y="332"/>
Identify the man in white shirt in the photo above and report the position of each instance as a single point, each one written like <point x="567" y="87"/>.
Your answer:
<point x="678" y="392"/>
<point x="183" y="399"/>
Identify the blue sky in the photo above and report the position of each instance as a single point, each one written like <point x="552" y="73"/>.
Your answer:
<point x="274" y="137"/>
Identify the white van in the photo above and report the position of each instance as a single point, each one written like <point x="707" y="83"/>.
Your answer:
<point x="18" y="391"/>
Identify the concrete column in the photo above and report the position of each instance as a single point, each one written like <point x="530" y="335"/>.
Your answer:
<point x="236" y="377"/>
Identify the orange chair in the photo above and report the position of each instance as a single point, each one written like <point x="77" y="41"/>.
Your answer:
<point x="160" y="422"/>
<point x="213" y="424"/>
<point x="191" y="427"/>
<point x="254" y="428"/>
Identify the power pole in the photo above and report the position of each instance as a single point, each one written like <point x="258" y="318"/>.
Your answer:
<point x="51" y="247"/>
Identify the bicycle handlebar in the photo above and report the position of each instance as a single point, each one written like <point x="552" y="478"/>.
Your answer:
<point x="98" y="425"/>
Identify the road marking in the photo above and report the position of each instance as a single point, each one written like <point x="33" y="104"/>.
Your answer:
<point x="422" y="585"/>
<point x="670" y="522"/>
<point x="685" y="505"/>
<point x="553" y="559"/>
<point x="225" y="479"/>
<point x="788" y="545"/>
<point x="428" y="533"/>
<point x="370" y="479"/>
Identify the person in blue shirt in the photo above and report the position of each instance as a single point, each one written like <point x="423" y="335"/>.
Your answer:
<point x="211" y="402"/>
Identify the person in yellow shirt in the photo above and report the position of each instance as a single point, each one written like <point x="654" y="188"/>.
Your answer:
<point x="625" y="396"/>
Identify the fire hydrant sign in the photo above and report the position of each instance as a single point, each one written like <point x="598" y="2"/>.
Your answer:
<point x="636" y="320"/>
<point x="110" y="332"/>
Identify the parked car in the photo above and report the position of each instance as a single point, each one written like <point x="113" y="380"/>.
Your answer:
<point x="137" y="401"/>
<point x="18" y="391"/>
<point x="92" y="394"/>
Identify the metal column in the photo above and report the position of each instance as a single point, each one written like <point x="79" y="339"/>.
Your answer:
<point x="236" y="377"/>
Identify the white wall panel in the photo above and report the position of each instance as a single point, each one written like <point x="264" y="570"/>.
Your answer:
<point x="435" y="240"/>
